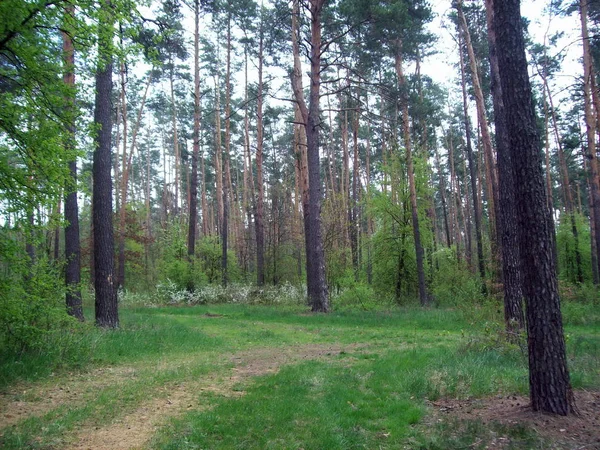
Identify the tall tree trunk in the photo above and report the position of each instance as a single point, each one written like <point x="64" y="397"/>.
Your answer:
<point x="259" y="217"/>
<point x="590" y="120"/>
<point x="218" y="160"/>
<point x="490" y="172"/>
<point x="193" y="202"/>
<point x="354" y="223"/>
<point x="122" y="206"/>
<point x="226" y="164"/>
<point x="302" y="147"/>
<point x="564" y="172"/>
<point x="472" y="172"/>
<point x="550" y="389"/>
<point x="317" y="287"/>
<point x="507" y="219"/>
<point x="72" y="242"/>
<point x="148" y="211"/>
<point x="107" y="315"/>
<point x="423" y="296"/>
<point x="175" y="138"/>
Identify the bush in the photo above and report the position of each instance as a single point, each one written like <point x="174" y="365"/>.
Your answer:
<point x="32" y="306"/>
<point x="453" y="283"/>
<point x="357" y="295"/>
<point x="169" y="293"/>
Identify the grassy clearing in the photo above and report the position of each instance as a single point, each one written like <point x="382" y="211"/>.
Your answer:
<point x="374" y="394"/>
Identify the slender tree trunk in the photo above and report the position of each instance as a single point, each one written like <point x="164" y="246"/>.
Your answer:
<point x="507" y="219"/>
<point x="443" y="197"/>
<point x="302" y="146"/>
<point x="122" y="207"/>
<point x="423" y="296"/>
<point x="550" y="389"/>
<point x="590" y="120"/>
<point x="354" y="223"/>
<point x="226" y="164"/>
<point x="490" y="173"/>
<point x="106" y="295"/>
<point x="193" y="202"/>
<point x="218" y="160"/>
<point x="259" y="218"/>
<point x="472" y="172"/>
<point x="175" y="140"/>
<point x="72" y="242"/>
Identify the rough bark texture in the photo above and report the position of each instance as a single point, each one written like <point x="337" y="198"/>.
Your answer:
<point x="106" y="296"/>
<point x="550" y="389"/>
<point x="507" y="219"/>
<point x="317" y="287"/>
<point x="72" y="244"/>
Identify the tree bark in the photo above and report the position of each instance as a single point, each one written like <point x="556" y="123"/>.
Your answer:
<point x="423" y="296"/>
<point x="317" y="287"/>
<point x="107" y="315"/>
<point x="590" y="120"/>
<point x="550" y="389"/>
<point x="193" y="203"/>
<point x="507" y="219"/>
<point x="72" y="242"/>
<point x="260" y="195"/>
<point x="472" y="173"/>
<point x="490" y="171"/>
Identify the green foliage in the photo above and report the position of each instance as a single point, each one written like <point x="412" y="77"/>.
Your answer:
<point x="210" y="253"/>
<point x="568" y="246"/>
<point x="453" y="284"/>
<point x="32" y="305"/>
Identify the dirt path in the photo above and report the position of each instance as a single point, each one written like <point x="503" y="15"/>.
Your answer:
<point x="24" y="401"/>
<point x="134" y="430"/>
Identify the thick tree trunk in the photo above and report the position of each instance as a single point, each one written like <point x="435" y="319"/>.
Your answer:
<point x="550" y="389"/>
<point x="72" y="242"/>
<point x="507" y="219"/>
<point x="302" y="146"/>
<point x="317" y="287"/>
<point x="107" y="315"/>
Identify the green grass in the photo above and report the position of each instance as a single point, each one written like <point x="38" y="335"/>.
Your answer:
<point x="373" y="395"/>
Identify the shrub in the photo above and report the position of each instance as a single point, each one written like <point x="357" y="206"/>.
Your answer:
<point x="453" y="284"/>
<point x="32" y="305"/>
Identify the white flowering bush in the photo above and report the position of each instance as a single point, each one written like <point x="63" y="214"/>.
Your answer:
<point x="169" y="293"/>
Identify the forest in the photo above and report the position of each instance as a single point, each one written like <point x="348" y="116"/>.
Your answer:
<point x="386" y="213"/>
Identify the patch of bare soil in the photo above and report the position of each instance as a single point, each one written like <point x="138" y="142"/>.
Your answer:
<point x="134" y="430"/>
<point x="579" y="432"/>
<point x="24" y="401"/>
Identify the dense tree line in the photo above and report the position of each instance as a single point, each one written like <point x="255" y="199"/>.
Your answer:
<point x="236" y="142"/>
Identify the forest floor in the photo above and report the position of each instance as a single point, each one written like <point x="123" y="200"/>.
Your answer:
<point x="235" y="376"/>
